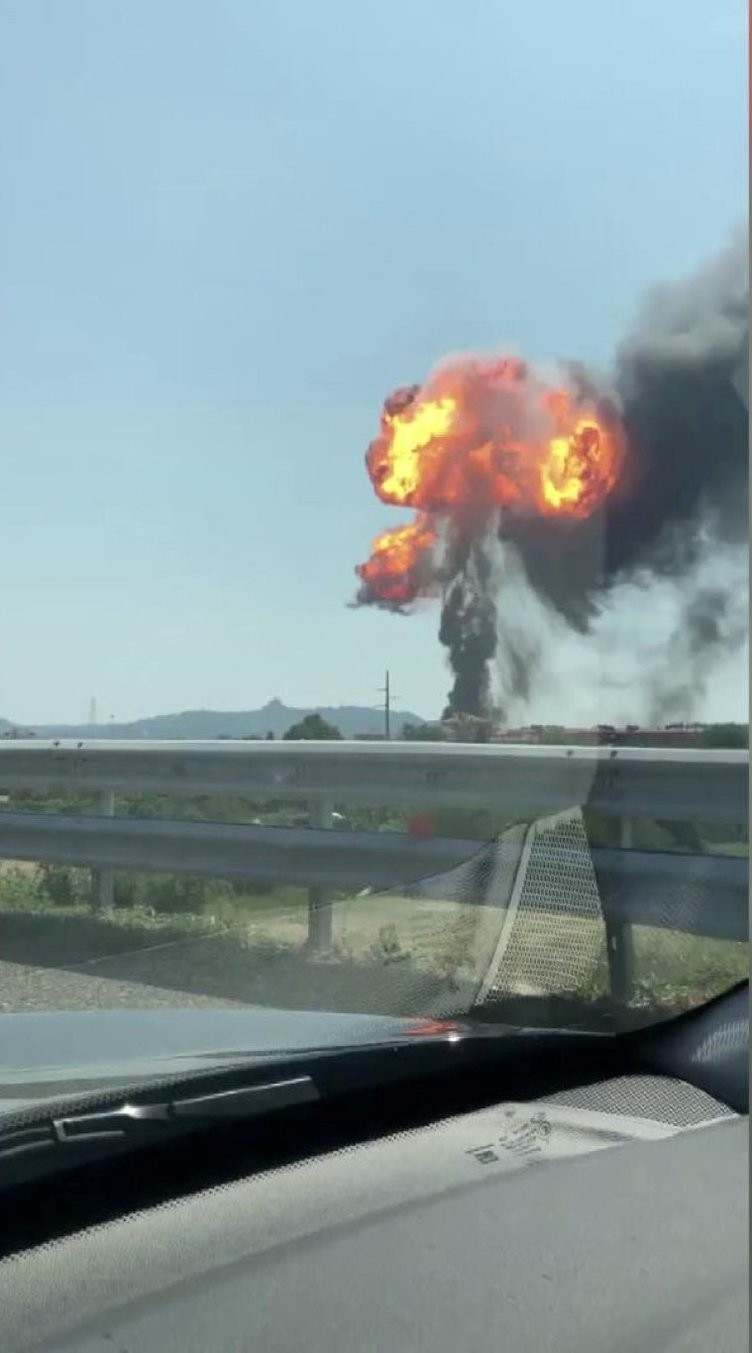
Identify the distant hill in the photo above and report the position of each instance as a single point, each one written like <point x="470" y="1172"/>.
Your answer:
<point x="198" y="724"/>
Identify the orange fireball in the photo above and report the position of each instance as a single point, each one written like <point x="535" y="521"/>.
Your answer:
<point x="491" y="434"/>
<point x="479" y="436"/>
<point x="581" y="463"/>
<point x="395" y="573"/>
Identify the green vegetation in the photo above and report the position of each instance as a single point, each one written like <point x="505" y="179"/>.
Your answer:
<point x="187" y="901"/>
<point x="671" y="967"/>
<point x="423" y="732"/>
<point x="724" y="735"/>
<point x="312" y="729"/>
<point x="719" y="735"/>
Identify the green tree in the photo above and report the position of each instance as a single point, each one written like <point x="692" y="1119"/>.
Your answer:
<point x="62" y="886"/>
<point x="423" y="732"/>
<point x="725" y="735"/>
<point x="312" y="729"/>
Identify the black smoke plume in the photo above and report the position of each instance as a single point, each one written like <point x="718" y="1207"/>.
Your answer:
<point x="681" y="384"/>
<point x="468" y="630"/>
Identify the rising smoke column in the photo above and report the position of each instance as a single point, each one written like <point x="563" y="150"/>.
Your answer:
<point x="468" y="632"/>
<point x="683" y="377"/>
<point x="681" y="381"/>
<point x="584" y="486"/>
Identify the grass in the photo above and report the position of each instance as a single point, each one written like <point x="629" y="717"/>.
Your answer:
<point x="738" y="849"/>
<point x="417" y="949"/>
<point x="673" y="968"/>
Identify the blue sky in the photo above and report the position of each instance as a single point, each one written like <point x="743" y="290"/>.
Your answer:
<point x="229" y="229"/>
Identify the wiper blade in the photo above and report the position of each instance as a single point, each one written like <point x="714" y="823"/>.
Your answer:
<point x="128" y="1120"/>
<point x="202" y="1118"/>
<point x="146" y="1114"/>
<point x="70" y="1134"/>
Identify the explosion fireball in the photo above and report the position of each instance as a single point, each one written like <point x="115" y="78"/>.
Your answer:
<point x="481" y="440"/>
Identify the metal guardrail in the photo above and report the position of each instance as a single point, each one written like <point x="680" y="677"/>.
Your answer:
<point x="628" y="784"/>
<point x="297" y="855"/>
<point x="677" y="785"/>
<point x="634" y="884"/>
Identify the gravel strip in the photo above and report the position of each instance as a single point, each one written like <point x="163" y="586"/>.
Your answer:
<point x="24" y="987"/>
<point x="48" y="963"/>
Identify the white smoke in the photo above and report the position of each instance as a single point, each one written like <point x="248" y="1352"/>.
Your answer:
<point x="660" y="649"/>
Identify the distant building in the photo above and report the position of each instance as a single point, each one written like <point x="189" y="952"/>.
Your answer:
<point x="633" y="735"/>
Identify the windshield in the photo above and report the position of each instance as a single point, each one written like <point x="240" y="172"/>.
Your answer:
<point x="374" y="427"/>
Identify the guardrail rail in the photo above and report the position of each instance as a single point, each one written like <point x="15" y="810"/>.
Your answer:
<point x="623" y="784"/>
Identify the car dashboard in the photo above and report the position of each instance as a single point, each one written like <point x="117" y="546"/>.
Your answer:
<point x="609" y="1215"/>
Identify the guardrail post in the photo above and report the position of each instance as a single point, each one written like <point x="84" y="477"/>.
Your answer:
<point x="103" y="880"/>
<point x="320" y="914"/>
<point x="619" y="937"/>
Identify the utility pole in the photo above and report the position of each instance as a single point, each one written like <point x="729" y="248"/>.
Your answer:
<point x="386" y="692"/>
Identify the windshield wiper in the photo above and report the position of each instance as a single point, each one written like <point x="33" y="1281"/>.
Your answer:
<point x="46" y="1138"/>
<point x="128" y="1120"/>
